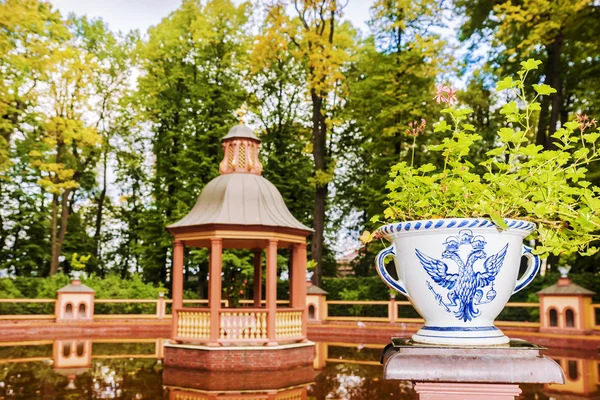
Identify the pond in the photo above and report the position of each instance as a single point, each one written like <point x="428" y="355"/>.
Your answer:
<point x="133" y="369"/>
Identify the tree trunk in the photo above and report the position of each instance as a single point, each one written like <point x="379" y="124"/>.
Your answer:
<point x="58" y="238"/>
<point x="99" y="215"/>
<point x="551" y="105"/>
<point x="556" y="83"/>
<point x="64" y="219"/>
<point x="3" y="231"/>
<point x="55" y="254"/>
<point x="319" y="154"/>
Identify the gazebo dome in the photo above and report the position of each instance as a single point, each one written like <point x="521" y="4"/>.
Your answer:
<point x="240" y="199"/>
<point x="241" y="131"/>
<point x="240" y="196"/>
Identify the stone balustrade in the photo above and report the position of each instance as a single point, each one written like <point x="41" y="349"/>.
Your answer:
<point x="245" y="325"/>
<point x="194" y="324"/>
<point x="288" y="324"/>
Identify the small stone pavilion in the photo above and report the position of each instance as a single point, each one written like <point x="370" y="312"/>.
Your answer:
<point x="566" y="307"/>
<point x="241" y="210"/>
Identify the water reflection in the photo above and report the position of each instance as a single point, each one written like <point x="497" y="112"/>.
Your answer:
<point x="132" y="369"/>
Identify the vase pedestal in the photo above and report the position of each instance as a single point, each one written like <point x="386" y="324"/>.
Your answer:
<point x="478" y="372"/>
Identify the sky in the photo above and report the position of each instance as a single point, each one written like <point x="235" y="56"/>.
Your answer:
<point x="126" y="15"/>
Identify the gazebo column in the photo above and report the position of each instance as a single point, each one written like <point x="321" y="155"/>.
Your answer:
<point x="298" y="283"/>
<point x="214" y="288"/>
<point x="177" y="283"/>
<point x="271" y="290"/>
<point x="257" y="278"/>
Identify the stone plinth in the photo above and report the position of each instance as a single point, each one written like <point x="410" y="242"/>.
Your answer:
<point x="481" y="372"/>
<point x="239" y="358"/>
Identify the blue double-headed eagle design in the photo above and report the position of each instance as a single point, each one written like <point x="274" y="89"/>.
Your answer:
<point x="465" y="287"/>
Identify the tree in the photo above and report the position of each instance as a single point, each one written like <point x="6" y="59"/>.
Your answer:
<point x="557" y="32"/>
<point x="560" y="33"/>
<point x="318" y="40"/>
<point x="112" y="55"/>
<point x="67" y="147"/>
<point x="277" y="83"/>
<point x="391" y="84"/>
<point x="25" y="249"/>
<point x="190" y="86"/>
<point x="31" y="34"/>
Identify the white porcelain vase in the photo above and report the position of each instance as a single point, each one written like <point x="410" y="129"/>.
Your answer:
<point x="459" y="274"/>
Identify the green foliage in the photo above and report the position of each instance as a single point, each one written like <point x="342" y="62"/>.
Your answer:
<point x="78" y="262"/>
<point x="238" y="268"/>
<point x="123" y="348"/>
<point x="364" y="288"/>
<point x="109" y="287"/>
<point x="521" y="180"/>
<point x="8" y="352"/>
<point x="391" y="83"/>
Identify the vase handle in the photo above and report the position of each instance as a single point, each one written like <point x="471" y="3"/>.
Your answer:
<point x="397" y="285"/>
<point x="533" y="266"/>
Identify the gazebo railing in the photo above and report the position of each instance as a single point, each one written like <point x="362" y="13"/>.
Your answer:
<point x="288" y="324"/>
<point x="193" y="323"/>
<point x="239" y="325"/>
<point x="247" y="325"/>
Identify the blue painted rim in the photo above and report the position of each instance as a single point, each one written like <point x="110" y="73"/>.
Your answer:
<point x="456" y="223"/>
<point x="459" y="328"/>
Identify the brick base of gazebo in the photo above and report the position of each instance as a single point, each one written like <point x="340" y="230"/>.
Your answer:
<point x="239" y="358"/>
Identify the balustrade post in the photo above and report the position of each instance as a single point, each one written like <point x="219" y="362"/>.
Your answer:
<point x="177" y="284"/>
<point x="161" y="306"/>
<point x="214" y="289"/>
<point x="159" y="349"/>
<point x="271" y="291"/>
<point x="392" y="309"/>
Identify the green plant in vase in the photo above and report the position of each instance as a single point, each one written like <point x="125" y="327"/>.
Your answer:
<point x="457" y="235"/>
<point x="78" y="263"/>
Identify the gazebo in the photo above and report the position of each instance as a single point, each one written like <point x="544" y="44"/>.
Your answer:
<point x="241" y="210"/>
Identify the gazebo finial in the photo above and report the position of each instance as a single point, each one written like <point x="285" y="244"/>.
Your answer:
<point x="241" y="113"/>
<point x="240" y="147"/>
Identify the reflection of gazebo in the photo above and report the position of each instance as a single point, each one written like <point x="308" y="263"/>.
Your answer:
<point x="241" y="384"/>
<point x="241" y="210"/>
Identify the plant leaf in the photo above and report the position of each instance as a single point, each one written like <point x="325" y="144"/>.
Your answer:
<point x="505" y="83"/>
<point x="530" y="64"/>
<point x="544" y="89"/>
